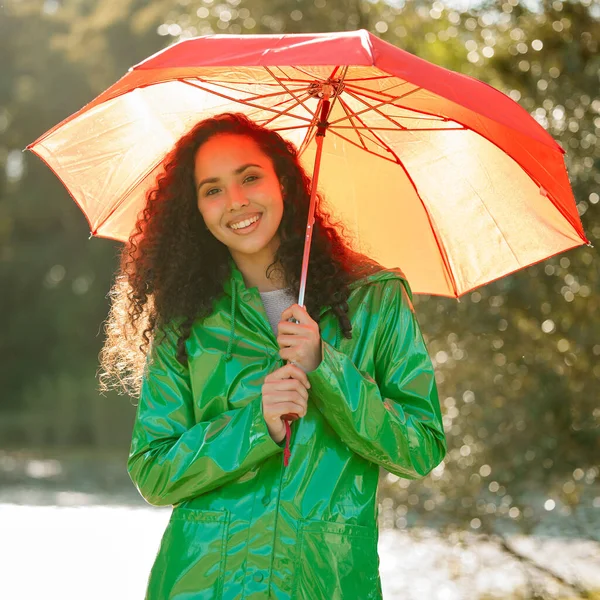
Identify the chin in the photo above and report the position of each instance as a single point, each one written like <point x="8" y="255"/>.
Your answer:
<point x="254" y="248"/>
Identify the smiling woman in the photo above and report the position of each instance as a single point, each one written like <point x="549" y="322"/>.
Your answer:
<point x="194" y="331"/>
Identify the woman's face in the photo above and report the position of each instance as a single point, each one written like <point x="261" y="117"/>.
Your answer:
<point x="236" y="182"/>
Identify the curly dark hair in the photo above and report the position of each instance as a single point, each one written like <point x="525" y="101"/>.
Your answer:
<point x="165" y="277"/>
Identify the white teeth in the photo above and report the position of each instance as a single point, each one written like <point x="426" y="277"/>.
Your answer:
<point x="245" y="223"/>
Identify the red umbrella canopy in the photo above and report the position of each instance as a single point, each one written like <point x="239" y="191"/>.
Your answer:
<point x="432" y="171"/>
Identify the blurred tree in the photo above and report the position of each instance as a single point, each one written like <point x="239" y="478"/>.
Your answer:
<point x="519" y="356"/>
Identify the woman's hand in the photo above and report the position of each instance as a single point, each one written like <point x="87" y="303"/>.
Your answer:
<point x="284" y="392"/>
<point x="299" y="342"/>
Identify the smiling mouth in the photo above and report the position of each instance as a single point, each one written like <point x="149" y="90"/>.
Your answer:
<point x="245" y="223"/>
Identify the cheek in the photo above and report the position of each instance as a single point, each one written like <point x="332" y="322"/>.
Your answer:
<point x="276" y="205"/>
<point x="209" y="213"/>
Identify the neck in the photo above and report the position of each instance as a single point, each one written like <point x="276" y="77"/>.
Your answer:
<point x="255" y="274"/>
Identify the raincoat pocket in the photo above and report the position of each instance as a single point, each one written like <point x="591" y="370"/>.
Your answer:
<point x="191" y="556"/>
<point x="336" y="561"/>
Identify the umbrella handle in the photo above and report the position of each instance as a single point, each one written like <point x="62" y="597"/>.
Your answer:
<point x="290" y="417"/>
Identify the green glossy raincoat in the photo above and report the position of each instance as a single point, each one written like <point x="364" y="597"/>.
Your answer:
<point x="243" y="526"/>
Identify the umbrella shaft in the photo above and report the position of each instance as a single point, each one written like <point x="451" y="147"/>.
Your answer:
<point x="319" y="137"/>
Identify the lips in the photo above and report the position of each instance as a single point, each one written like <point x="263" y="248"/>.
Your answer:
<point x="244" y="218"/>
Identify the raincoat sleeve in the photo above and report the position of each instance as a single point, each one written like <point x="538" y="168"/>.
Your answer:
<point x="395" y="419"/>
<point x="174" y="458"/>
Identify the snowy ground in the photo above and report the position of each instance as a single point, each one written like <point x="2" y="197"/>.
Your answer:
<point x="93" y="551"/>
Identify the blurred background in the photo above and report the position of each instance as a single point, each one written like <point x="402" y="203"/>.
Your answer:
<point x="514" y="509"/>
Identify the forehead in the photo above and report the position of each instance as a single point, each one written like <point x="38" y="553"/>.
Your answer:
<point x="224" y="152"/>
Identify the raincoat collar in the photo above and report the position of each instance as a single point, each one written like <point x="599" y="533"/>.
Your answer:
<point x="235" y="287"/>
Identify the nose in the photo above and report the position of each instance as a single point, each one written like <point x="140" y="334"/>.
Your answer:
<point x="236" y="198"/>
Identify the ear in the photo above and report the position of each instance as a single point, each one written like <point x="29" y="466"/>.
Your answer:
<point x="282" y="183"/>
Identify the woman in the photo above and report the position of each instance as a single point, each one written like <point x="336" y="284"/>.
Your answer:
<point x="207" y="289"/>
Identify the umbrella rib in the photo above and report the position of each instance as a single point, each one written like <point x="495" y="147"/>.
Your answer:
<point x="310" y="134"/>
<point x="360" y="88"/>
<point x="334" y="132"/>
<point x="391" y="87"/>
<point x="335" y="70"/>
<point x="286" y="89"/>
<point x="125" y="195"/>
<point x="369" y="108"/>
<point x="269" y="83"/>
<point x="297" y="68"/>
<point x="255" y="97"/>
<point x="367" y="91"/>
<point x="246" y="102"/>
<point x="348" y="111"/>
<point x="438" y="241"/>
<point x="557" y="205"/>
<point x="375" y="78"/>
<point x="297" y="103"/>
<point x="375" y="108"/>
<point x="372" y="128"/>
<point x="290" y="127"/>
<point x="290" y="100"/>
<point x="378" y="141"/>
<point x="421" y="112"/>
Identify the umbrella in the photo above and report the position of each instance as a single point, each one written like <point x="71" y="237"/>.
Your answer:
<point x="429" y="169"/>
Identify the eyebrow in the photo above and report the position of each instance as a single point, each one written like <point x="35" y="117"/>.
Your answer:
<point x="237" y="172"/>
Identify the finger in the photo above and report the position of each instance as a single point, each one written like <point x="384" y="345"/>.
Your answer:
<point x="293" y="409"/>
<point x="301" y="389"/>
<point x="290" y="340"/>
<point x="298" y="312"/>
<point x="288" y="371"/>
<point x="281" y="373"/>
<point x="284" y="385"/>
<point x="290" y="405"/>
<point x="299" y="374"/>
<point x="295" y="387"/>
<point x="291" y="328"/>
<point x="279" y="397"/>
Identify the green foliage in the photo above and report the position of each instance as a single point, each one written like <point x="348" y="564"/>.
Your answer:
<point x="517" y="361"/>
